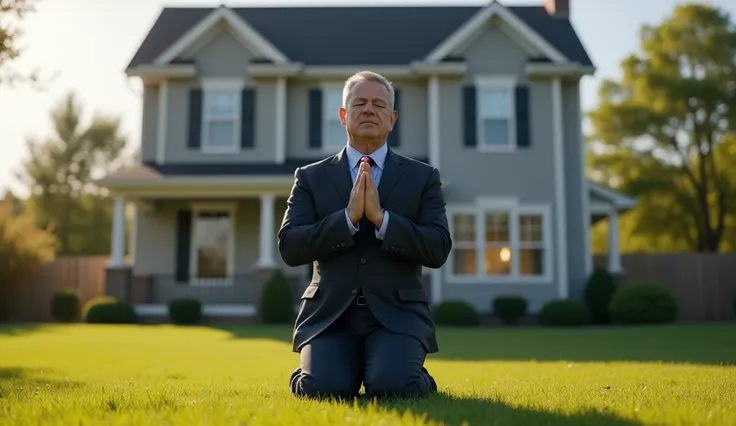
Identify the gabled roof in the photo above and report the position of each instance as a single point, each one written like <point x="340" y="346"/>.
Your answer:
<point x="310" y="35"/>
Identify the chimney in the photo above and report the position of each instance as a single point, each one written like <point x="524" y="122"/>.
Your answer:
<point x="558" y="8"/>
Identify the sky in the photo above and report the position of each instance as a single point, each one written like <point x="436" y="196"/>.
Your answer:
<point x="86" y="44"/>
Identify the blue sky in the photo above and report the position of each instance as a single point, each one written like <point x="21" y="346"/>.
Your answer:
<point x="89" y="42"/>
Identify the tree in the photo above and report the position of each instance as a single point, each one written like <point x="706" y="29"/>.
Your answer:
<point x="10" y="11"/>
<point x="60" y="171"/>
<point x="657" y="132"/>
<point x="24" y="248"/>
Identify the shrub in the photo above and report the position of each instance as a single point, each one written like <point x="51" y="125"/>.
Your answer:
<point x="509" y="308"/>
<point x="277" y="302"/>
<point x="185" y="311"/>
<point x="564" y="313"/>
<point x="455" y="313"/>
<point x="66" y="306"/>
<point x="598" y="294"/>
<point x="109" y="310"/>
<point x="24" y="249"/>
<point x="643" y="303"/>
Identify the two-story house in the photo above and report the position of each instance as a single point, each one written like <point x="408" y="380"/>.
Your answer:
<point x="234" y="99"/>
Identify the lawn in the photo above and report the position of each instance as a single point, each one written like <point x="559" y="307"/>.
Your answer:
<point x="165" y="375"/>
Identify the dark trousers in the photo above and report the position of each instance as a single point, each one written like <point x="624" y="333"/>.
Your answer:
<point x="357" y="350"/>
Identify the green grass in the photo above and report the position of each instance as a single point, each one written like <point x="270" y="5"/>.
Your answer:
<point x="165" y="375"/>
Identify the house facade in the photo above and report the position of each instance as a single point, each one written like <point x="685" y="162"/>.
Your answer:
<point x="235" y="99"/>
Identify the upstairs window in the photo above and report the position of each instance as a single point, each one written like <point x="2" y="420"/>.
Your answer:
<point x="220" y="121"/>
<point x="334" y="136"/>
<point x="496" y="121"/>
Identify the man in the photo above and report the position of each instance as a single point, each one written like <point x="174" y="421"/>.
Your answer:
<point x="368" y="219"/>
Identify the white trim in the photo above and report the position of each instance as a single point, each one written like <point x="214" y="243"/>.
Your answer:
<point x="329" y="115"/>
<point x="496" y="82"/>
<point x="215" y="310"/>
<point x="280" y="120"/>
<point x="117" y="242"/>
<point x="231" y="209"/>
<point x="510" y="206"/>
<point x="148" y="71"/>
<point x="474" y="26"/>
<point x="618" y="200"/>
<point x="274" y="70"/>
<point x="433" y="113"/>
<point x="133" y="236"/>
<point x="235" y="85"/>
<point x="162" y="121"/>
<point x="244" y="32"/>
<point x="558" y="138"/>
<point x="435" y="69"/>
<point x="266" y="257"/>
<point x="551" y="69"/>
<point x="345" y="71"/>
<point x="585" y="196"/>
<point x="614" y="247"/>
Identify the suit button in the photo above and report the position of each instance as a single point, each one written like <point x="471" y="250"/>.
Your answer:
<point x="354" y="291"/>
<point x="363" y="261"/>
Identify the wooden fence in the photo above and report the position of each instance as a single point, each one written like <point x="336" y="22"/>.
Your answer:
<point x="704" y="284"/>
<point x="84" y="274"/>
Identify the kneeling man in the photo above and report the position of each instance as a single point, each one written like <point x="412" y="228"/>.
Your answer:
<point x="368" y="219"/>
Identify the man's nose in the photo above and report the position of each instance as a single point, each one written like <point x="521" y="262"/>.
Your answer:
<point x="368" y="109"/>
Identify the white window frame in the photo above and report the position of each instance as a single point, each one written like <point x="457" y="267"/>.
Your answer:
<point x="197" y="208"/>
<point x="329" y="115"/>
<point x="495" y="82"/>
<point x="234" y="85"/>
<point x="514" y="209"/>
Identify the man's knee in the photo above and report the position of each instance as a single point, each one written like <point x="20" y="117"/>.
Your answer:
<point x="322" y="386"/>
<point x="392" y="384"/>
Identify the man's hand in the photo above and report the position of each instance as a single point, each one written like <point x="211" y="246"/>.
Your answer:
<point x="356" y="204"/>
<point x="372" y="204"/>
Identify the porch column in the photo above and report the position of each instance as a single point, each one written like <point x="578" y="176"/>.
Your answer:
<point x="267" y="237"/>
<point x="614" y="251"/>
<point x="117" y="246"/>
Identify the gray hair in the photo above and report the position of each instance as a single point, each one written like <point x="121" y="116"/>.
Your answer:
<point x="367" y="76"/>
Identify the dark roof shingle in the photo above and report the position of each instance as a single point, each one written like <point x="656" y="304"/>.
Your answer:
<point x="386" y="35"/>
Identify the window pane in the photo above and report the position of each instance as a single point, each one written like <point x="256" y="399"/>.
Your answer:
<point x="495" y="102"/>
<point x="221" y="133"/>
<point x="336" y="136"/>
<point x="497" y="261"/>
<point x="531" y="261"/>
<point x="333" y="102"/>
<point x="463" y="227"/>
<point x="531" y="228"/>
<point x="221" y="103"/>
<point x="211" y="240"/>
<point x="464" y="262"/>
<point x="495" y="132"/>
<point x="497" y="228"/>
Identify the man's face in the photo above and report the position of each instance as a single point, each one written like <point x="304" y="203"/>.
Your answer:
<point x="368" y="113"/>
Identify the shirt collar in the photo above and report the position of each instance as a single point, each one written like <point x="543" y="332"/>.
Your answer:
<point x="378" y="156"/>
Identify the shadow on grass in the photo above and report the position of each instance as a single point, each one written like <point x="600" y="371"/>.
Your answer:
<point x="711" y="344"/>
<point x="23" y="382"/>
<point x="17" y="329"/>
<point x="456" y="410"/>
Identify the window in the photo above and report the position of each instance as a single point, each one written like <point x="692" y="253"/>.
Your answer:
<point x="221" y="120"/>
<point x="504" y="243"/>
<point x="334" y="137"/>
<point x="212" y="245"/>
<point x="496" y="122"/>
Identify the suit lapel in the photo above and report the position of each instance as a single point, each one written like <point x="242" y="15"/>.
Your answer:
<point x="340" y="175"/>
<point x="392" y="171"/>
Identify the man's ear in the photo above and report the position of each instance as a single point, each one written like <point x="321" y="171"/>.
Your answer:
<point x="342" y="112"/>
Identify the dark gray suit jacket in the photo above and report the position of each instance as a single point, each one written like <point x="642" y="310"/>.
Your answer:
<point x="389" y="272"/>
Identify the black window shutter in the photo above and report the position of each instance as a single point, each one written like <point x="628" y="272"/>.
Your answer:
<point x="470" y="117"/>
<point x="523" y="124"/>
<point x="315" y="118"/>
<point x="248" y="118"/>
<point x="394" y="136"/>
<point x="183" y="244"/>
<point x="195" y="118"/>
